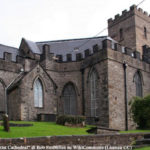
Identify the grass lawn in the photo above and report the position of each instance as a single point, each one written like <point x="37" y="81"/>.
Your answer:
<point x="41" y="129"/>
<point x="135" y="131"/>
<point x="144" y="148"/>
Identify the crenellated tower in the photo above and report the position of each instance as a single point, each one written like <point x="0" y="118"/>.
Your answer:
<point x="131" y="28"/>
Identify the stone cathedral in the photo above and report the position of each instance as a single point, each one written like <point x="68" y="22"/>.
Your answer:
<point x="92" y="77"/>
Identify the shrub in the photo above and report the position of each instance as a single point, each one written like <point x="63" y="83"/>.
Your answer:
<point x="74" y="120"/>
<point x="140" y="111"/>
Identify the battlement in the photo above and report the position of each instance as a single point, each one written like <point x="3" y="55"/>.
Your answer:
<point x="8" y="64"/>
<point x="103" y="46"/>
<point x="8" y="53"/>
<point x="8" y="57"/>
<point x="106" y="44"/>
<point x="79" y="55"/>
<point x="127" y="13"/>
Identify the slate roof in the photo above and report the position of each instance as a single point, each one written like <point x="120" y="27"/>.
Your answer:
<point x="8" y="49"/>
<point x="63" y="47"/>
<point x="59" y="47"/>
<point x="33" y="47"/>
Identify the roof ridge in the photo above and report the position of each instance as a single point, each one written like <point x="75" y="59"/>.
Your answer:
<point x="72" y="39"/>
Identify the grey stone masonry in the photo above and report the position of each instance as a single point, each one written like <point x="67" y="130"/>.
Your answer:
<point x="92" y="68"/>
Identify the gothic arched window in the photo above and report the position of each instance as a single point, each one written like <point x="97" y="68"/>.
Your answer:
<point x="38" y="93"/>
<point x="70" y="102"/>
<point x="138" y="84"/>
<point x="94" y="92"/>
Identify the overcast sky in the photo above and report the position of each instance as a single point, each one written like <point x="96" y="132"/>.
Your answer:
<point x="45" y="20"/>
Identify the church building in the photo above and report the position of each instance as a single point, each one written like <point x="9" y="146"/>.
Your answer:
<point x="93" y="77"/>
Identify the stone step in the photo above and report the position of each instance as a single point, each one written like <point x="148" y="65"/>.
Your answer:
<point x="143" y="142"/>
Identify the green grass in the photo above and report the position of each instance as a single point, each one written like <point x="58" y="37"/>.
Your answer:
<point x="144" y="148"/>
<point x="41" y="129"/>
<point x="135" y="131"/>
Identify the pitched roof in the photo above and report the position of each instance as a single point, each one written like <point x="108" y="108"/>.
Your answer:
<point x="63" y="47"/>
<point x="33" y="47"/>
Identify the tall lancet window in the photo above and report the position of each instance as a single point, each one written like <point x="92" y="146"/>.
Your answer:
<point x="121" y="34"/>
<point x="138" y="84"/>
<point x="70" y="100"/>
<point x="145" y="32"/>
<point x="94" y="93"/>
<point x="38" y="93"/>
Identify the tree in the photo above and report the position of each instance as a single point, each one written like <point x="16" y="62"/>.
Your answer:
<point x="140" y="111"/>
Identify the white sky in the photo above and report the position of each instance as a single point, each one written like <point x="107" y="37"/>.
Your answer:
<point x="45" y="20"/>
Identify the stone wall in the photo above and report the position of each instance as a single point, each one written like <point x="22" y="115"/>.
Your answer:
<point x="108" y="63"/>
<point x="116" y="95"/>
<point x="62" y="74"/>
<point x="102" y="93"/>
<point x="132" y="23"/>
<point x="116" y="86"/>
<point x="29" y="111"/>
<point x="65" y="72"/>
<point x="89" y="140"/>
<point x="126" y="22"/>
<point x="14" y="104"/>
<point x="142" y="21"/>
<point x="8" y="72"/>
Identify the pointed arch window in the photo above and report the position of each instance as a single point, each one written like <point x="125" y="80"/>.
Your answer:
<point x="70" y="100"/>
<point x="38" y="93"/>
<point x="138" y="84"/>
<point x="94" y="92"/>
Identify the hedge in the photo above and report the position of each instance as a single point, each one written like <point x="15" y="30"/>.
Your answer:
<point x="62" y="119"/>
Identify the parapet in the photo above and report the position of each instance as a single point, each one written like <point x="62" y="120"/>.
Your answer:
<point x="102" y="46"/>
<point x="125" y="14"/>
<point x="105" y="45"/>
<point x="95" y="48"/>
<point x="79" y="56"/>
<point x="99" y="48"/>
<point x="118" y="47"/>
<point x="7" y="56"/>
